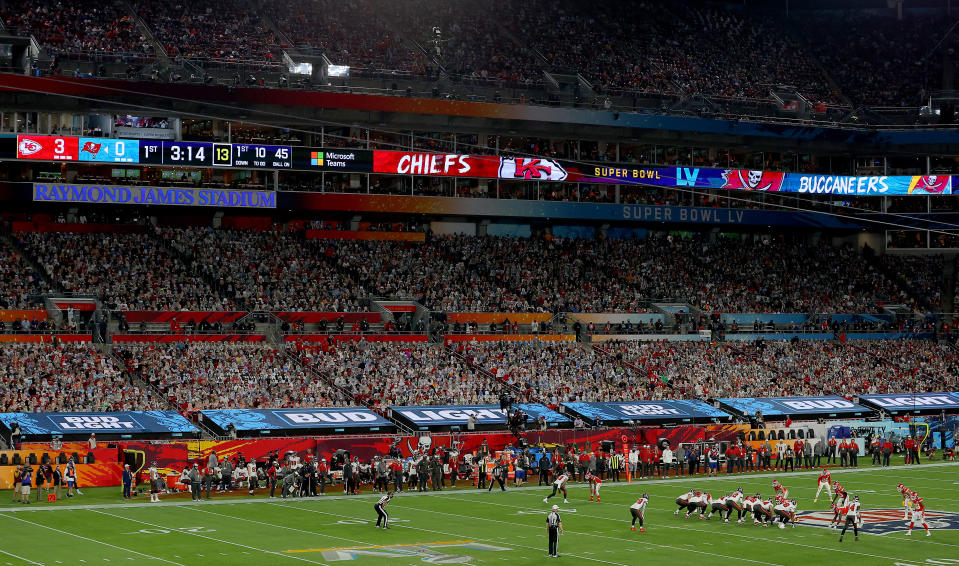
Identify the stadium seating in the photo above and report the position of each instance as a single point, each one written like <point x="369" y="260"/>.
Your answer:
<point x="128" y="271"/>
<point x="196" y="376"/>
<point x="66" y="377"/>
<point x="269" y="270"/>
<point x="276" y="269"/>
<point x="679" y="49"/>
<point x="405" y="373"/>
<point x="17" y="280"/>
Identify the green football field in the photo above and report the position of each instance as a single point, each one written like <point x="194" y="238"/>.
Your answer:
<point x="465" y="525"/>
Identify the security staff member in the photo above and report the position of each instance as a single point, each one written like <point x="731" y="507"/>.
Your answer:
<point x="127" y="482"/>
<point x="554" y="527"/>
<point x="380" y="506"/>
<point x="544" y="467"/>
<point x="482" y="473"/>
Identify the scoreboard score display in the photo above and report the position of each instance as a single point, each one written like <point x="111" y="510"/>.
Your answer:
<point x="187" y="153"/>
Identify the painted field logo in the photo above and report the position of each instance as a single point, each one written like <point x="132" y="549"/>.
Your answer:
<point x="882" y="521"/>
<point x="429" y="552"/>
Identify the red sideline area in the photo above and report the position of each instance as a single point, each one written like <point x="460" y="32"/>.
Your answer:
<point x="173" y="456"/>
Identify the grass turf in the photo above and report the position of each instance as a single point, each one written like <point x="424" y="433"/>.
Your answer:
<point x="469" y="525"/>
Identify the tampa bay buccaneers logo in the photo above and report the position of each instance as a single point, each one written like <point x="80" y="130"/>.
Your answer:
<point x="91" y="148"/>
<point x="749" y="180"/>
<point x="931" y="184"/>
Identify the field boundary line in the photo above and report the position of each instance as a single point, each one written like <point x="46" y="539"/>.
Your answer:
<point x="88" y="539"/>
<point x="241" y="545"/>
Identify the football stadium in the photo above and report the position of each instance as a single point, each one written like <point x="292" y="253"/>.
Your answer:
<point x="448" y="282"/>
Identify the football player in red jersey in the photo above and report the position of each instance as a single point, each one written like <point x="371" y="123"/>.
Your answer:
<point x="781" y="490"/>
<point x="918" y="514"/>
<point x="595" y="482"/>
<point x="906" y="501"/>
<point x="839" y="502"/>
<point x="838" y="492"/>
<point x="825" y="479"/>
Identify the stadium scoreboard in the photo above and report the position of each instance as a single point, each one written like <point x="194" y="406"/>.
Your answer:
<point x="185" y="153"/>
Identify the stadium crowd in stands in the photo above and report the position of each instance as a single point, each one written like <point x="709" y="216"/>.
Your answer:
<point x="277" y="269"/>
<point x="790" y="368"/>
<point x="66" y="377"/>
<point x="269" y="270"/>
<point x="18" y="281"/>
<point x="837" y="57"/>
<point x="128" y="271"/>
<point x="197" y="376"/>
<point x="406" y="373"/>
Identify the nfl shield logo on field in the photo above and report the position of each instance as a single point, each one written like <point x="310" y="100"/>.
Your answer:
<point x="881" y="521"/>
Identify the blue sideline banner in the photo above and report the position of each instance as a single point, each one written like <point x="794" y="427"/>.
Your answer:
<point x="130" y="422"/>
<point x="913" y="401"/>
<point x="639" y="411"/>
<point x="772" y="406"/>
<point x="296" y="419"/>
<point x="459" y="414"/>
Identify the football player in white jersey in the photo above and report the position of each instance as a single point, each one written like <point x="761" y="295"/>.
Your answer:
<point x="853" y="517"/>
<point x="786" y="512"/>
<point x="559" y="485"/>
<point x="637" y="511"/>
<point x="683" y="501"/>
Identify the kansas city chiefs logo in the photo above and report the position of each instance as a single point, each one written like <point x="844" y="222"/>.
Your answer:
<point x="531" y="168"/>
<point x="882" y="521"/>
<point x="29" y="147"/>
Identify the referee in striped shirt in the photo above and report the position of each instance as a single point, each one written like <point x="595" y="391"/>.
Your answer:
<point x="380" y="506"/>
<point x="554" y="526"/>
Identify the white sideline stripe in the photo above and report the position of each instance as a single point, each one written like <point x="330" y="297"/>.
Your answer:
<point x="21" y="558"/>
<point x="687" y="529"/>
<point x="95" y="540"/>
<point x="497" y="541"/>
<point x="209" y="538"/>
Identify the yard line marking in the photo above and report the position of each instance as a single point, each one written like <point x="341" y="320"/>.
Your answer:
<point x="91" y="540"/>
<point x="22" y="558"/>
<point x="234" y="517"/>
<point x="407" y="526"/>
<point x="208" y="538"/>
<point x="440" y="543"/>
<point x="698" y="531"/>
